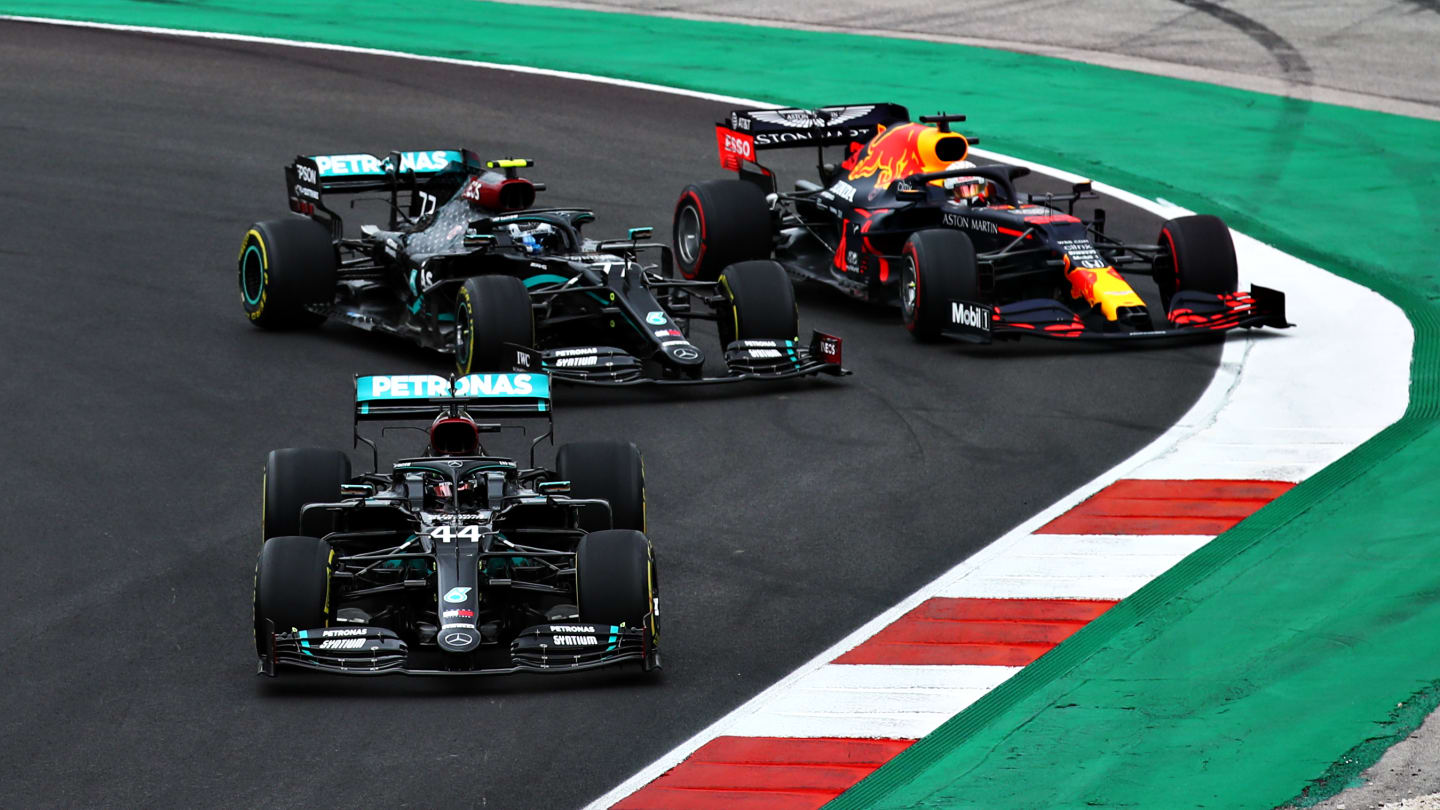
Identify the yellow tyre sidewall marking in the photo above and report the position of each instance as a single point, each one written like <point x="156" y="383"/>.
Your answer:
<point x="259" y="242"/>
<point x="264" y="497"/>
<point x="734" y="310"/>
<point x="469" y="330"/>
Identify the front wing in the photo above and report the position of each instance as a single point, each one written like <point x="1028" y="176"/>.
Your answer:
<point x="744" y="360"/>
<point x="550" y="648"/>
<point x="1192" y="315"/>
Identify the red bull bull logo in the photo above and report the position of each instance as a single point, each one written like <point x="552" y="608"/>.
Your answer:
<point x="907" y="149"/>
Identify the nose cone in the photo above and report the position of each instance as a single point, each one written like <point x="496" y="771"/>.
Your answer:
<point x="457" y="638"/>
<point x="685" y="354"/>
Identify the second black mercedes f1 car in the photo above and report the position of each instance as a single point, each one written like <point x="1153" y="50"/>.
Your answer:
<point x="907" y="220"/>
<point x="465" y="266"/>
<point x="456" y="561"/>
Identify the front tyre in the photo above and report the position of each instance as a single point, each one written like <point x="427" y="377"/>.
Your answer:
<point x="761" y="303"/>
<point x="718" y="223"/>
<point x="615" y="579"/>
<point x="287" y="270"/>
<point x="490" y="312"/>
<point x="939" y="265"/>
<point x="295" y="476"/>
<point x="292" y="586"/>
<point x="1197" y="254"/>
<point x="610" y="471"/>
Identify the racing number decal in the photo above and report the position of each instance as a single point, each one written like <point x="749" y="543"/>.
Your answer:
<point x="446" y="534"/>
<point x="428" y="203"/>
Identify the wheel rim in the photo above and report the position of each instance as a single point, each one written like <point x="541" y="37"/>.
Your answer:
<point x="462" y="338"/>
<point x="687" y="235"/>
<point x="252" y="275"/>
<point x="909" y="289"/>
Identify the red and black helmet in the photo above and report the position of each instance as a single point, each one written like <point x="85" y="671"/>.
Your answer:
<point x="454" y="436"/>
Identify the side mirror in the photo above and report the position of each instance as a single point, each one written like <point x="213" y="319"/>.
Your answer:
<point x="553" y="487"/>
<point x="637" y="234"/>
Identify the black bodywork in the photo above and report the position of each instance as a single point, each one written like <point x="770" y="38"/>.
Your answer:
<point x="607" y="312"/>
<point x="1034" y="261"/>
<point x="455" y="565"/>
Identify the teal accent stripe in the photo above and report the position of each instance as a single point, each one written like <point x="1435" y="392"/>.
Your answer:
<point x="545" y="278"/>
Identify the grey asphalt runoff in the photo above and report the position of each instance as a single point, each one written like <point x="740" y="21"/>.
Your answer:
<point x="139" y="405"/>
<point x="1372" y="54"/>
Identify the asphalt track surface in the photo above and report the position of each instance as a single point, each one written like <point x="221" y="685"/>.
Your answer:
<point x="140" y="405"/>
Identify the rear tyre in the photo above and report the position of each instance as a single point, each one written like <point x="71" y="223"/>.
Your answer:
<point x="761" y="303"/>
<point x="292" y="583"/>
<point x="939" y="265"/>
<point x="612" y="471"/>
<point x="1196" y="254"/>
<point x="294" y="477"/>
<point x="615" y="578"/>
<point x="287" y="266"/>
<point x="718" y="223"/>
<point x="490" y="312"/>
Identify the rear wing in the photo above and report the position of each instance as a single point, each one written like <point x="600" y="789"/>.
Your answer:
<point x="310" y="177"/>
<point x="341" y="172"/>
<point x="424" y="396"/>
<point x="745" y="131"/>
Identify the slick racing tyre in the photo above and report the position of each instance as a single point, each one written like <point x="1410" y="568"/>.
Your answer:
<point x="761" y="303"/>
<point x="287" y="267"/>
<point x="490" y="312"/>
<point x="611" y="471"/>
<point x="939" y="264"/>
<point x="294" y="477"/>
<point x="615" y="577"/>
<point x="1196" y="255"/>
<point x="292" y="581"/>
<point x="718" y="223"/>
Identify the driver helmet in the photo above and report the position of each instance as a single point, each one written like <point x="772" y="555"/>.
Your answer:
<point x="969" y="190"/>
<point x="533" y="240"/>
<point x="454" y="436"/>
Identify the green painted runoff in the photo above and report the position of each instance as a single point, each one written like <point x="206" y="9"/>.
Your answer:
<point x="1276" y="662"/>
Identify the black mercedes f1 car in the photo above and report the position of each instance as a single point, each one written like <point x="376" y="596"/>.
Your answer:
<point x="906" y="220"/>
<point x="456" y="561"/>
<point x="465" y="266"/>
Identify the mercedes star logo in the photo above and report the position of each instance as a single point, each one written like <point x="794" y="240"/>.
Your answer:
<point x="458" y="639"/>
<point x="453" y="463"/>
<point x="686" y="354"/>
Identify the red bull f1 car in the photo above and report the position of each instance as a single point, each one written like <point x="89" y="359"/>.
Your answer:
<point x="906" y="220"/>
<point x="456" y="561"/>
<point x="466" y="266"/>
